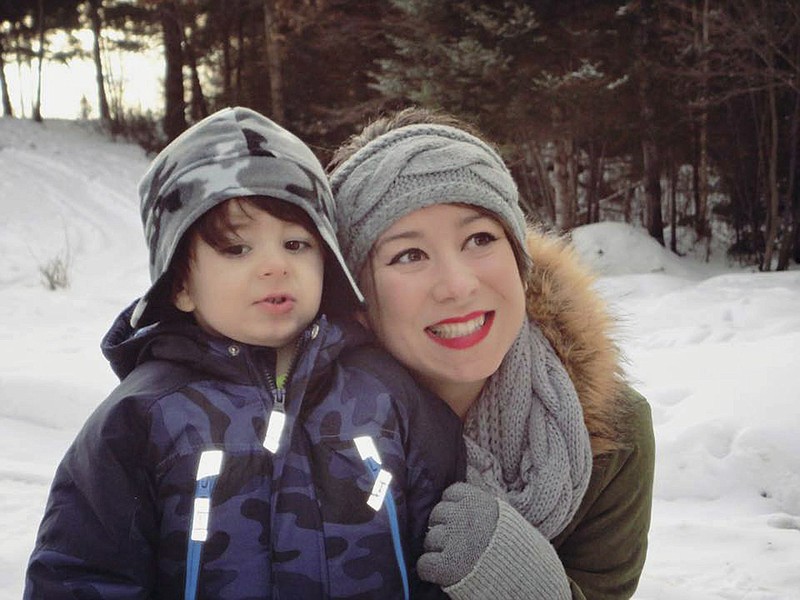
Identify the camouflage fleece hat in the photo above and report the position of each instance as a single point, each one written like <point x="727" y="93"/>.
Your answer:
<point x="234" y="152"/>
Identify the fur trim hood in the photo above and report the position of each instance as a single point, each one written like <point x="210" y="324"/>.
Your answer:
<point x="574" y="318"/>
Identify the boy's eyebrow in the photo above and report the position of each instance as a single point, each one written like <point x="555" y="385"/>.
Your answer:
<point x="237" y="222"/>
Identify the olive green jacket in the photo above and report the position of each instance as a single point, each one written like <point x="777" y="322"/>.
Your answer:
<point x="604" y="547"/>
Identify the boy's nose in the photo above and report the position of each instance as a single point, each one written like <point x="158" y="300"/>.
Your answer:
<point x="274" y="264"/>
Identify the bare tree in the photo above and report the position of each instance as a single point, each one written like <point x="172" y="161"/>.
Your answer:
<point x="273" y="53"/>
<point x="174" y="101"/>
<point x="7" y="108"/>
<point x="94" y="7"/>
<point x="37" y="105"/>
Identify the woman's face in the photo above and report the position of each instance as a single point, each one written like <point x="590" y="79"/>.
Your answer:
<point x="445" y="297"/>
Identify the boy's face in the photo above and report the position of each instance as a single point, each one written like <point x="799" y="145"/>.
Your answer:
<point x="262" y="287"/>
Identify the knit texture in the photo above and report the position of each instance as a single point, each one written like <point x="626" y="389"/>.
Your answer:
<point x="525" y="436"/>
<point x="519" y="564"/>
<point x="460" y="528"/>
<point x="415" y="167"/>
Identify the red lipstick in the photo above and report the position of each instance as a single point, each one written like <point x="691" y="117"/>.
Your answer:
<point x="465" y="341"/>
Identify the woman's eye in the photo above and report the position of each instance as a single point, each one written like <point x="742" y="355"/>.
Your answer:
<point x="407" y="256"/>
<point x="236" y="250"/>
<point x="484" y="238"/>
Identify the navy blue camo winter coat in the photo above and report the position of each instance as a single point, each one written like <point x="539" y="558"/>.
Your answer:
<point x="295" y="524"/>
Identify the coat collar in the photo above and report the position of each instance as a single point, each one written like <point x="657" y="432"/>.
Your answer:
<point x="571" y="314"/>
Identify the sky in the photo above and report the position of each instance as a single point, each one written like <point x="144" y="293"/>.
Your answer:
<point x="138" y="74"/>
<point x="712" y="346"/>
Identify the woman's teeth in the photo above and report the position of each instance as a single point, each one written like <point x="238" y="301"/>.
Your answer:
<point x="454" y="330"/>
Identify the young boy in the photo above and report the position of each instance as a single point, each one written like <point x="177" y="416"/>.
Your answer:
<point x="255" y="448"/>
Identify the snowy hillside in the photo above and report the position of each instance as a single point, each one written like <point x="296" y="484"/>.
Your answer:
<point x="714" y="349"/>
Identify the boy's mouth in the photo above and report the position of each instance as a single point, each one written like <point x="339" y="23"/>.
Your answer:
<point x="276" y="303"/>
<point x="280" y="299"/>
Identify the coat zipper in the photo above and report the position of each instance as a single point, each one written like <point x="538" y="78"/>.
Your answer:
<point x="277" y="417"/>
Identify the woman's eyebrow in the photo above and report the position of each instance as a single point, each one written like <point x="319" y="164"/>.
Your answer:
<point x="469" y="219"/>
<point x="403" y="235"/>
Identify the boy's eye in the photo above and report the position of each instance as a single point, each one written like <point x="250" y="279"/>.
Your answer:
<point x="410" y="255"/>
<point x="297" y="245"/>
<point x="236" y="250"/>
<point x="483" y="238"/>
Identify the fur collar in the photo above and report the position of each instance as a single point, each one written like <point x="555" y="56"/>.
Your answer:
<point x="573" y="317"/>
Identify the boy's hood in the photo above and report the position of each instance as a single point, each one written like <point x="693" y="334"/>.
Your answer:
<point x="179" y="340"/>
<point x="235" y="152"/>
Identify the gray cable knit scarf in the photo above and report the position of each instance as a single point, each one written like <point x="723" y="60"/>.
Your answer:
<point x="525" y="436"/>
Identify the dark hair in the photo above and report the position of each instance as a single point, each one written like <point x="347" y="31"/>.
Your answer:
<point x="215" y="228"/>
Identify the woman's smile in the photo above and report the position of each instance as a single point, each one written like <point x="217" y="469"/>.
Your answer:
<point x="462" y="332"/>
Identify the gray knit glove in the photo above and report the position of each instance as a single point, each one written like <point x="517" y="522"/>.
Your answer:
<point x="459" y="530"/>
<point x="478" y="547"/>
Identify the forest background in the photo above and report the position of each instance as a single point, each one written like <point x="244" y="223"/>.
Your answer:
<point x="673" y="114"/>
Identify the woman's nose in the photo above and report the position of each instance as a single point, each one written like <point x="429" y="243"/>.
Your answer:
<point x="455" y="280"/>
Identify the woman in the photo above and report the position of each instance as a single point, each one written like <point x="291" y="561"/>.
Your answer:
<point x="500" y="321"/>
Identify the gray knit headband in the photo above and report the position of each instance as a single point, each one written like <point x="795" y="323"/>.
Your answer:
<point x="414" y="167"/>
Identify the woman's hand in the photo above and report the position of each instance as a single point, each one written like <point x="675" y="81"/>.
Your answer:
<point x="459" y="530"/>
<point x="479" y="547"/>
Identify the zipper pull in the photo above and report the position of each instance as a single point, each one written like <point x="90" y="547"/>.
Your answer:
<point x="208" y="470"/>
<point x="382" y="478"/>
<point x="276" y="422"/>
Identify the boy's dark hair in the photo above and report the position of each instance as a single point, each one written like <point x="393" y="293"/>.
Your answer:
<point x="215" y="228"/>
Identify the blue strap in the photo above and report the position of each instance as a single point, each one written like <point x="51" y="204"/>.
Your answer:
<point x="194" y="550"/>
<point x="192" y="569"/>
<point x="394" y="526"/>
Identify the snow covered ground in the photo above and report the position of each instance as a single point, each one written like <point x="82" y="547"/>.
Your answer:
<point x="715" y="350"/>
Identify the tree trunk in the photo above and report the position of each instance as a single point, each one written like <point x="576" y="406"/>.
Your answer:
<point x="227" y="59"/>
<point x="564" y="183"/>
<point x="174" y="102"/>
<point x="650" y="156"/>
<point x="8" y="110"/>
<point x="237" y="98"/>
<point x="37" y="105"/>
<point x="701" y="192"/>
<point x="673" y="205"/>
<point x="595" y="178"/>
<point x="198" y="106"/>
<point x="536" y="166"/>
<point x="272" y="50"/>
<point x="652" y="190"/>
<point x="772" y="182"/>
<point x="792" y="211"/>
<point x="94" y="17"/>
